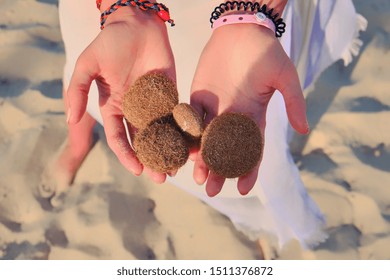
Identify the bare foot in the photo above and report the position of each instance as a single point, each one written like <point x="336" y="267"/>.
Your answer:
<point x="266" y="249"/>
<point x="61" y="170"/>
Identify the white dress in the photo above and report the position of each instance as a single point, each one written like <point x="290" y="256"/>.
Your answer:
<point x="318" y="33"/>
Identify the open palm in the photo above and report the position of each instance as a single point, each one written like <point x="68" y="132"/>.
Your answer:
<point x="121" y="53"/>
<point x="240" y="68"/>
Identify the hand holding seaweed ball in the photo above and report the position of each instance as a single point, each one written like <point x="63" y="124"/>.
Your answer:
<point x="166" y="129"/>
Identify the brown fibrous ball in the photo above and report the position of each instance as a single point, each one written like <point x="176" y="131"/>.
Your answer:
<point x="232" y="145"/>
<point x="161" y="147"/>
<point x="188" y="120"/>
<point x="151" y="97"/>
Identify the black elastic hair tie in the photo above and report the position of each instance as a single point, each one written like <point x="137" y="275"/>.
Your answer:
<point x="280" y="25"/>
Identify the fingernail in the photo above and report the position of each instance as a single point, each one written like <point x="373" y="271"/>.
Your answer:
<point x="199" y="182"/>
<point x="211" y="194"/>
<point x="68" y="115"/>
<point x="135" y="173"/>
<point x="243" y="193"/>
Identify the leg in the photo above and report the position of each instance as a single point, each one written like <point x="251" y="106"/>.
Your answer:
<point x="62" y="169"/>
<point x="76" y="147"/>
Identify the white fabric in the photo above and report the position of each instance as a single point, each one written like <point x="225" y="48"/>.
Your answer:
<point x="318" y="33"/>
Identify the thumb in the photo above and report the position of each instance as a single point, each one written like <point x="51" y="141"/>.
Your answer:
<point x="77" y="94"/>
<point x="290" y="87"/>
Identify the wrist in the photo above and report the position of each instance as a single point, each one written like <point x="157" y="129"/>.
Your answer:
<point x="264" y="12"/>
<point x="244" y="33"/>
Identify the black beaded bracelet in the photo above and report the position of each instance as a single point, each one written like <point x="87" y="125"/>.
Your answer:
<point x="280" y="25"/>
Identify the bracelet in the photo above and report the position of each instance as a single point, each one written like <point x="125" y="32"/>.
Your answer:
<point x="280" y="25"/>
<point x="258" y="18"/>
<point x="161" y="10"/>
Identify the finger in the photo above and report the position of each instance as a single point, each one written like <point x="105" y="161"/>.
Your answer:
<point x="196" y="103"/>
<point x="208" y="118"/>
<point x="291" y="90"/>
<point x="131" y="131"/>
<point x="214" y="184"/>
<point x="117" y="140"/>
<point x="156" y="177"/>
<point x="246" y="183"/>
<point x="204" y="103"/>
<point x="194" y="153"/>
<point x="201" y="172"/>
<point x="77" y="95"/>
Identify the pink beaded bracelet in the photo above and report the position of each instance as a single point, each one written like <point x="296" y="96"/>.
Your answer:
<point x="258" y="18"/>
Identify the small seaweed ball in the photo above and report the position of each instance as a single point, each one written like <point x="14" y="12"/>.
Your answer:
<point x="188" y="120"/>
<point x="232" y="145"/>
<point x="151" y="97"/>
<point x="161" y="147"/>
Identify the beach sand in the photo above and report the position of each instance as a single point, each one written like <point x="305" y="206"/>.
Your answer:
<point x="110" y="214"/>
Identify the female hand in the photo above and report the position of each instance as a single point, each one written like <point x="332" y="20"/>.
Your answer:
<point x="239" y="70"/>
<point x="132" y="44"/>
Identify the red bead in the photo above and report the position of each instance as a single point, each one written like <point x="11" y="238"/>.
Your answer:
<point x="164" y="15"/>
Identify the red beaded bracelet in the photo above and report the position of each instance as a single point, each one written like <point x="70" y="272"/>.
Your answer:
<point x="161" y="10"/>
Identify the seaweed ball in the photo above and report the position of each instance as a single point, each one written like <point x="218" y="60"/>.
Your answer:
<point x="152" y="96"/>
<point x="232" y="145"/>
<point x="161" y="147"/>
<point x="188" y="120"/>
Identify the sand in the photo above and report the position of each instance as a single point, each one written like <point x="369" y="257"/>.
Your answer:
<point x="109" y="214"/>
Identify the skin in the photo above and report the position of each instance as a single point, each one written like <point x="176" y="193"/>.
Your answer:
<point x="254" y="66"/>
<point x="245" y="83"/>
<point x="135" y="54"/>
